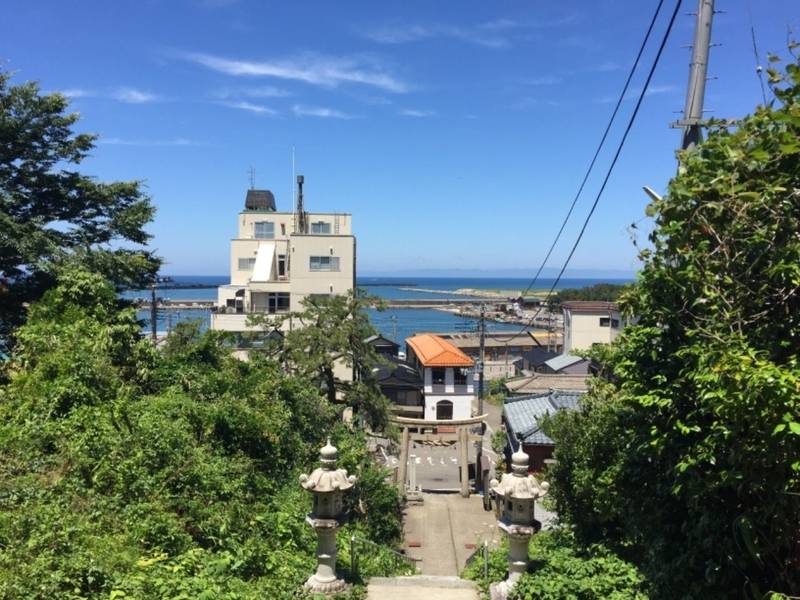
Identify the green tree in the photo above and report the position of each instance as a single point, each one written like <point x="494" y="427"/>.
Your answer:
<point x="686" y="455"/>
<point x="131" y="473"/>
<point x="50" y="213"/>
<point x="327" y="339"/>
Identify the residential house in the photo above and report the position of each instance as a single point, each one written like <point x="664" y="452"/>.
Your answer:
<point x="566" y="364"/>
<point x="538" y="383"/>
<point x="402" y="385"/>
<point x="447" y="374"/>
<point x="504" y="348"/>
<point x="523" y="417"/>
<point x="590" y="322"/>
<point x="383" y="346"/>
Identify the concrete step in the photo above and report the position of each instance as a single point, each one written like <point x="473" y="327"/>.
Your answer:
<point x="421" y="587"/>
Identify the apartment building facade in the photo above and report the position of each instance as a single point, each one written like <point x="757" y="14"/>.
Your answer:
<point x="278" y="259"/>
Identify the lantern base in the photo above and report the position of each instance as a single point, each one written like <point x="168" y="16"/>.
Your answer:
<point x="499" y="591"/>
<point x="327" y="587"/>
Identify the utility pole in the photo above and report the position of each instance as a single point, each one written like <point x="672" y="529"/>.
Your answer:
<point x="481" y="363"/>
<point x="153" y="311"/>
<point x="393" y="318"/>
<point x="698" y="72"/>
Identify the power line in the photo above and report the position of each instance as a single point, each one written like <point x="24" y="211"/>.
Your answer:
<point x="599" y="146"/>
<point x="614" y="160"/>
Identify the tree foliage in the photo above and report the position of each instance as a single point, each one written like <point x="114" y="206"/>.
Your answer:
<point x="686" y="456"/>
<point x="326" y="343"/>
<point x="606" y="292"/>
<point x="561" y="568"/>
<point x="127" y="472"/>
<point x="50" y="213"/>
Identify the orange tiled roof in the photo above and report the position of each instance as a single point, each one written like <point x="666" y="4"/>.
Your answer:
<point x="433" y="351"/>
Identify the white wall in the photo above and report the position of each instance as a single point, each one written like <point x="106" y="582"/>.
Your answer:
<point x="462" y="406"/>
<point x="582" y="329"/>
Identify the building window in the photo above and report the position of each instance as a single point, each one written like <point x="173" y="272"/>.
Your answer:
<point x="282" y="264"/>
<point x="437" y="375"/>
<point x="460" y="376"/>
<point x="278" y="302"/>
<point x="264" y="230"/>
<point x="444" y="410"/>
<point x="323" y="263"/>
<point x="320" y="228"/>
<point x="607" y="321"/>
<point x="246" y="264"/>
<point x="270" y="302"/>
<point x="407" y="398"/>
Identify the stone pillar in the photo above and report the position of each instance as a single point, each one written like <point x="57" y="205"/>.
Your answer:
<point x="326" y="559"/>
<point x="463" y="451"/>
<point x="403" y="466"/>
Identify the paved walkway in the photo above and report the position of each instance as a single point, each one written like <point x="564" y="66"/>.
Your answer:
<point x="445" y="530"/>
<point x="421" y="587"/>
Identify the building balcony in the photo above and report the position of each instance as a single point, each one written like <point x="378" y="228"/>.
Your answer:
<point x="221" y="320"/>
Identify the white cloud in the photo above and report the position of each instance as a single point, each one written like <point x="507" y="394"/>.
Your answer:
<point x="479" y="35"/>
<point x="633" y="94"/>
<point x="607" y="67"/>
<point x="115" y="141"/>
<point x="314" y="69"/>
<point x="499" y="33"/>
<point x="410" y="112"/>
<point x="133" y="96"/>
<point x="77" y="93"/>
<point x="266" y="91"/>
<point x="319" y="111"/>
<point x="545" y="80"/>
<point x="254" y="108"/>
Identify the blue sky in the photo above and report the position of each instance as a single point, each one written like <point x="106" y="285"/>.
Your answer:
<point x="455" y="132"/>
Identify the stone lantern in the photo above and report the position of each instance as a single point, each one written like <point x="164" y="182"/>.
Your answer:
<point x="515" y="497"/>
<point x="327" y="484"/>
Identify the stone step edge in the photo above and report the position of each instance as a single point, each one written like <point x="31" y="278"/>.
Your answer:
<point x="431" y="581"/>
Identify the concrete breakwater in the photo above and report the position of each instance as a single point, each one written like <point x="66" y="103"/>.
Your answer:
<point x="453" y="303"/>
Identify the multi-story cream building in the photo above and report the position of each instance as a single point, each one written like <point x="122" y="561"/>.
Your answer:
<point x="280" y="258"/>
<point x="588" y="322"/>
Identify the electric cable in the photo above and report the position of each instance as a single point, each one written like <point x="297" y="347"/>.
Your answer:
<point x="599" y="147"/>
<point x="613" y="161"/>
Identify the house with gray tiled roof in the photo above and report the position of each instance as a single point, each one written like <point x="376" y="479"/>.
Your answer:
<point x="522" y="416"/>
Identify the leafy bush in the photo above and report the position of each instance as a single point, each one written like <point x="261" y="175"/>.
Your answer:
<point x="560" y="568"/>
<point x="130" y="473"/>
<point x="685" y="456"/>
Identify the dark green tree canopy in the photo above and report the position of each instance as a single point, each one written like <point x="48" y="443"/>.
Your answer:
<point x="50" y="213"/>
<point x="327" y="340"/>
<point x="686" y="456"/>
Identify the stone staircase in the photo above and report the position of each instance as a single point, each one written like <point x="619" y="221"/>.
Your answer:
<point x="421" y="587"/>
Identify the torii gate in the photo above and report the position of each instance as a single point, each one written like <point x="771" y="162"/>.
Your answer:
<point x="461" y="436"/>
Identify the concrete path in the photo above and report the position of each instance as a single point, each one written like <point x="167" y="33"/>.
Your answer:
<point x="421" y="587"/>
<point x="445" y="530"/>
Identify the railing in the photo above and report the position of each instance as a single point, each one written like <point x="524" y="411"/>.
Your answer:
<point x="398" y="560"/>
<point x="481" y="553"/>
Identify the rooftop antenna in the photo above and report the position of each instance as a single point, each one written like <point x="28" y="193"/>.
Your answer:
<point x="291" y="181"/>
<point x="252" y="172"/>
<point x="300" y="214"/>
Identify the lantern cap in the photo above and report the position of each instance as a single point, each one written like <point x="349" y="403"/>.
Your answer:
<point x="326" y="477"/>
<point x="328" y="455"/>
<point x="520" y="462"/>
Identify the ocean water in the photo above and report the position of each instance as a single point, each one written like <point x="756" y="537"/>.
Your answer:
<point x="395" y="323"/>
